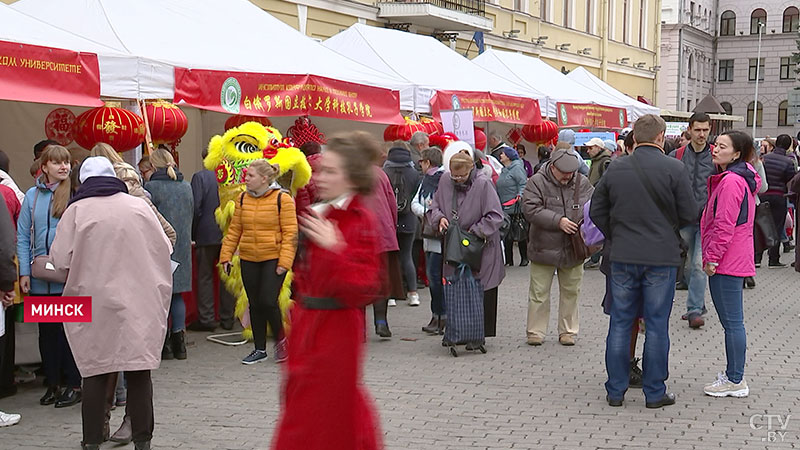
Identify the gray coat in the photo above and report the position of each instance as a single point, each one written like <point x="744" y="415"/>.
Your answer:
<point x="545" y="202"/>
<point x="700" y="167"/>
<point x="512" y="181"/>
<point x="175" y="202"/>
<point x="479" y="212"/>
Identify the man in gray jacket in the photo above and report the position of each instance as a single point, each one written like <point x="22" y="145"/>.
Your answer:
<point x="696" y="158"/>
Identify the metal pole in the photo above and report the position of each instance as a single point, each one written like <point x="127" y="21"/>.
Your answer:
<point x="758" y="67"/>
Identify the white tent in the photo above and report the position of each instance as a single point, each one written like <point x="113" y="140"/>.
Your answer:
<point x="227" y="35"/>
<point x="423" y="62"/>
<point x="537" y="74"/>
<point x="635" y="108"/>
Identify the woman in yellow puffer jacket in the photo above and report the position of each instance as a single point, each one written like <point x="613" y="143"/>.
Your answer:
<point x="264" y="229"/>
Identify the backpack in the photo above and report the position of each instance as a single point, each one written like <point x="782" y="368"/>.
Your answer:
<point x="398" y="182"/>
<point x="679" y="153"/>
<point x="241" y="200"/>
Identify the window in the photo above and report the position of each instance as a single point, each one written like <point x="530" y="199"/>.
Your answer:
<point x="543" y="10"/>
<point x="725" y="70"/>
<point x="566" y="14"/>
<point x="691" y="67"/>
<point x="642" y="24"/>
<point x="751" y="74"/>
<point x="783" y="110"/>
<point x="727" y="24"/>
<point x="727" y="107"/>
<point x="759" y="16"/>
<point x="518" y="5"/>
<point x="626" y="16"/>
<point x="759" y="114"/>
<point x="590" y="16"/>
<point x="612" y="32"/>
<point x="691" y="13"/>
<point x="791" y="20"/>
<point x="786" y="68"/>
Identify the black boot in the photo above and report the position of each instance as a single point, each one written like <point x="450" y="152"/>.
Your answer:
<point x="635" y="379"/>
<point x="178" y="345"/>
<point x="432" y="327"/>
<point x="382" y="329"/>
<point x="749" y="282"/>
<point x="166" y="351"/>
<point x="50" y="397"/>
<point x="142" y="445"/>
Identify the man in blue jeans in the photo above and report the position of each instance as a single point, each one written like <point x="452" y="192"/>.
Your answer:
<point x="696" y="158"/>
<point x="639" y="205"/>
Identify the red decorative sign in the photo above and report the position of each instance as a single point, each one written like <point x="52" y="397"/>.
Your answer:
<point x="30" y="73"/>
<point x="488" y="107"/>
<point x="588" y="115"/>
<point x="58" y="126"/>
<point x="259" y="94"/>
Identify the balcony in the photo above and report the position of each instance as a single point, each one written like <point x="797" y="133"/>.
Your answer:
<point x="441" y="15"/>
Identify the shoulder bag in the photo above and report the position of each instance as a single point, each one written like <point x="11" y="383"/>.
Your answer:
<point x="579" y="248"/>
<point x="42" y="267"/>
<point x="461" y="246"/>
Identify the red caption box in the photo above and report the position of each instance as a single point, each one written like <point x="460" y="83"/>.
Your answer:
<point x="58" y="309"/>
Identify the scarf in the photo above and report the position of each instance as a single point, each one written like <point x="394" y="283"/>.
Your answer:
<point x="99" y="187"/>
<point x="429" y="184"/>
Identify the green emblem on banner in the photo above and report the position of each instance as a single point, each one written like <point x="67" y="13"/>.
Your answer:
<point x="231" y="95"/>
<point x="622" y="118"/>
<point x="563" y="115"/>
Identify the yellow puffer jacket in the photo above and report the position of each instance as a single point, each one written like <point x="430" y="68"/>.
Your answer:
<point x="260" y="233"/>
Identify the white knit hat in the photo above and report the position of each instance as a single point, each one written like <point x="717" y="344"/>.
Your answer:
<point x="96" y="166"/>
<point x="453" y="148"/>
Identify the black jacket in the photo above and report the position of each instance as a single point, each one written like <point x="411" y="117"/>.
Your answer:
<point x="205" y="230"/>
<point x="8" y="249"/>
<point x="399" y="167"/>
<point x="779" y="169"/>
<point x="699" y="166"/>
<point x="624" y="212"/>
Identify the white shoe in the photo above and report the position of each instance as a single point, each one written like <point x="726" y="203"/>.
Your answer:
<point x="723" y="387"/>
<point x="392" y="302"/>
<point x="413" y="299"/>
<point x="6" y="420"/>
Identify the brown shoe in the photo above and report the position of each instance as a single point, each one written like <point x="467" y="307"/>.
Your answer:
<point x="125" y="433"/>
<point x="696" y="321"/>
<point x="566" y="339"/>
<point x="535" y="340"/>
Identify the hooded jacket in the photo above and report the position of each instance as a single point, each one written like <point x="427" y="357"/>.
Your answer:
<point x="700" y="167"/>
<point x="399" y="166"/>
<point x="726" y="228"/>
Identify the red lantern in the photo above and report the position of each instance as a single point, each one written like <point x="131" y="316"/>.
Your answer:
<point x="431" y="126"/>
<point x="402" y="132"/>
<point x="235" y="121"/>
<point x="117" y="127"/>
<point x="480" y="139"/>
<point x="542" y="133"/>
<point x="167" y="122"/>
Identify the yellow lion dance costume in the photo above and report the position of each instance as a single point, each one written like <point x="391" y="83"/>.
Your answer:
<point x="229" y="156"/>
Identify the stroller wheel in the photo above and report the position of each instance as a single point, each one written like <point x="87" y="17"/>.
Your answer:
<point x="454" y="352"/>
<point x="482" y="349"/>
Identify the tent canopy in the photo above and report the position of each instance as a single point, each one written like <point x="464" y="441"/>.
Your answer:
<point x="426" y="64"/>
<point x="222" y="35"/>
<point x="635" y="108"/>
<point x="537" y="74"/>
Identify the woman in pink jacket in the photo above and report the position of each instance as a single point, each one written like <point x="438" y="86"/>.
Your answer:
<point x="727" y="240"/>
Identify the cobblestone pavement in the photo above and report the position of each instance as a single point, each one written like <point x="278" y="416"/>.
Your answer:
<point x="515" y="396"/>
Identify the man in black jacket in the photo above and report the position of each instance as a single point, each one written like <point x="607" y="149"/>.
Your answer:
<point x="639" y="205"/>
<point x="779" y="169"/>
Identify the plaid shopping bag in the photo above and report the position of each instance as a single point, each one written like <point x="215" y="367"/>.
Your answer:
<point x="463" y="301"/>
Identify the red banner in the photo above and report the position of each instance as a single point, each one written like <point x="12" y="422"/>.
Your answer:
<point x="272" y="95"/>
<point x="589" y="115"/>
<point x="30" y="73"/>
<point x="488" y="107"/>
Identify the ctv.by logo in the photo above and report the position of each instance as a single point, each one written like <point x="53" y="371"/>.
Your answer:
<point x="775" y="425"/>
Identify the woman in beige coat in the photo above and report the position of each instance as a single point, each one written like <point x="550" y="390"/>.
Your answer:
<point x="130" y="295"/>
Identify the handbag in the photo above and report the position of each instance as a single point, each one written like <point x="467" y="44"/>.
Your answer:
<point x="461" y="246"/>
<point x="580" y="250"/>
<point x="591" y="234"/>
<point x="765" y="232"/>
<point x="42" y="268"/>
<point x="517" y="225"/>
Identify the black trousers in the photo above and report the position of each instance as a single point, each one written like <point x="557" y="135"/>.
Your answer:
<point x="508" y="245"/>
<point x="263" y="286"/>
<point x="139" y="407"/>
<point x="490" y="313"/>
<point x="7" y="351"/>
<point x="57" y="360"/>
<point x="207" y="256"/>
<point x="777" y="205"/>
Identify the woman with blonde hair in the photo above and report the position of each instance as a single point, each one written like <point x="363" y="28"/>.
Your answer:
<point x="173" y="198"/>
<point x="264" y="229"/>
<point x="41" y="210"/>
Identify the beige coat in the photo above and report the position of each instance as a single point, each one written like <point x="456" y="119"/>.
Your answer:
<point x="116" y="253"/>
<point x="130" y="177"/>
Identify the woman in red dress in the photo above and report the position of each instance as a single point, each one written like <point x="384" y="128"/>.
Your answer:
<point x="325" y="404"/>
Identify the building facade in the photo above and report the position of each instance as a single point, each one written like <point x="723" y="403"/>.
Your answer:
<point x="711" y="47"/>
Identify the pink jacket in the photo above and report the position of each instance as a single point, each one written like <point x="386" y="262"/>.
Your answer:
<point x="383" y="204"/>
<point x="727" y="224"/>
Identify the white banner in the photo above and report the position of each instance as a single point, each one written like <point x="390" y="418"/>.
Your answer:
<point x="459" y="122"/>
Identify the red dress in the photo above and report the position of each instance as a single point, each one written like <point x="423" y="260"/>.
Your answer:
<point x="325" y="404"/>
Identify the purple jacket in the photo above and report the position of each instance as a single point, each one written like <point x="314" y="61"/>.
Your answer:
<point x="727" y="224"/>
<point x="383" y="204"/>
<point x="479" y="212"/>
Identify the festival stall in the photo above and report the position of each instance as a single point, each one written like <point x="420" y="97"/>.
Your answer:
<point x="635" y="108"/>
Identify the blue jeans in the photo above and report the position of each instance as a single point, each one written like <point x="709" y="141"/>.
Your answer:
<point x="695" y="277"/>
<point x="177" y="312"/>
<point x="649" y="289"/>
<point x="726" y="291"/>
<point x="433" y="268"/>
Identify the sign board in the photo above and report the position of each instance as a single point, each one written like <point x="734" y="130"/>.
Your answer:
<point x="794" y="107"/>
<point x="582" y="138"/>
<point x="675" y="129"/>
<point x="590" y="115"/>
<point x="488" y="107"/>
<point x="459" y="122"/>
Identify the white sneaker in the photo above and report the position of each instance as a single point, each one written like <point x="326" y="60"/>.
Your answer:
<point x="723" y="387"/>
<point x="413" y="299"/>
<point x="6" y="420"/>
<point x="392" y="302"/>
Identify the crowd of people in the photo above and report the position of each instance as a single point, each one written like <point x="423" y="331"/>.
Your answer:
<point x="375" y="225"/>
